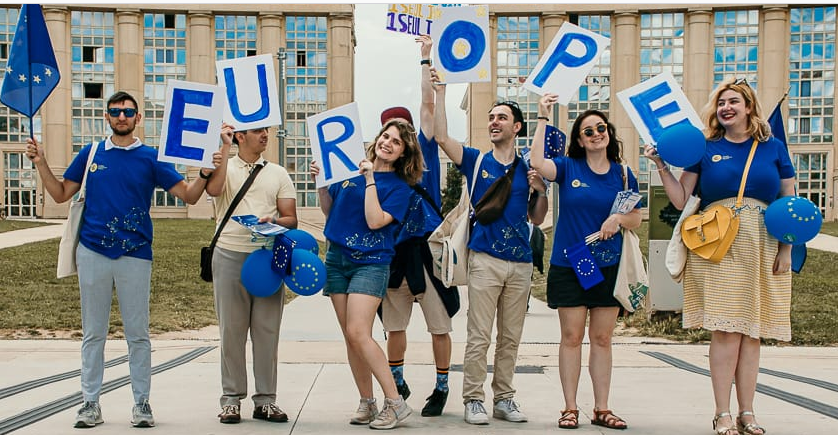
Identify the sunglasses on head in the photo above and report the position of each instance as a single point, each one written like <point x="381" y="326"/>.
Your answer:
<point x="600" y="128"/>
<point x="128" y="111"/>
<point x="741" y="81"/>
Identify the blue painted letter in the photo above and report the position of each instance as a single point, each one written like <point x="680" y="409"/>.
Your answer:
<point x="461" y="30"/>
<point x="331" y="147"/>
<point x="178" y="124"/>
<point x="642" y="102"/>
<point x="233" y="99"/>
<point x="562" y="57"/>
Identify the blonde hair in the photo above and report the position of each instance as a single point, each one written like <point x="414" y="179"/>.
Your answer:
<point x="757" y="126"/>
<point x="409" y="166"/>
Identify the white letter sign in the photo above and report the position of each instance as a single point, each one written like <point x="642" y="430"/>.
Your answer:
<point x="461" y="44"/>
<point x="566" y="63"/>
<point x="252" y="97"/>
<point x="656" y="104"/>
<point x="191" y="123"/>
<point x="336" y="143"/>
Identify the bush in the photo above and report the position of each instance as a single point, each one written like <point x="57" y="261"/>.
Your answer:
<point x="453" y="189"/>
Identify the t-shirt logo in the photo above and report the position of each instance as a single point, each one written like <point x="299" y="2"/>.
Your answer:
<point x="484" y="174"/>
<point x="347" y="183"/>
<point x="576" y="183"/>
<point x="94" y="167"/>
<point x="718" y="158"/>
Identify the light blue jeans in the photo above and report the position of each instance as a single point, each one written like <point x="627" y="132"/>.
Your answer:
<point x="132" y="277"/>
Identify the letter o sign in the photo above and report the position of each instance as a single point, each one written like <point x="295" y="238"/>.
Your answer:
<point x="450" y="46"/>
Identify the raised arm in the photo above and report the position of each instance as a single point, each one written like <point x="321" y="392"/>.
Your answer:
<point x="426" y="110"/>
<point x="547" y="168"/>
<point x="450" y="147"/>
<point x="191" y="192"/>
<point x="374" y="215"/>
<point x="215" y="185"/>
<point x="677" y="190"/>
<point x="322" y="192"/>
<point x="60" y="191"/>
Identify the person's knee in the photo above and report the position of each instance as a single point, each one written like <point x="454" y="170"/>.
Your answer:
<point x="600" y="339"/>
<point x="572" y="338"/>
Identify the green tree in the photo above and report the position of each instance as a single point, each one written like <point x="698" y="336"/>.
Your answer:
<point x="453" y="189"/>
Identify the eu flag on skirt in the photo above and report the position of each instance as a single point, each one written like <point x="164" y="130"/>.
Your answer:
<point x="583" y="263"/>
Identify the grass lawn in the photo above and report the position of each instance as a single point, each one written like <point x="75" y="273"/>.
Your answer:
<point x="11" y="225"/>
<point x="814" y="311"/>
<point x="830" y="228"/>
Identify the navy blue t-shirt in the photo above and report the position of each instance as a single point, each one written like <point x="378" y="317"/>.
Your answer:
<point x="720" y="170"/>
<point x="585" y="200"/>
<point x="507" y="238"/>
<point x="346" y="225"/>
<point x="120" y="185"/>
<point x="422" y="216"/>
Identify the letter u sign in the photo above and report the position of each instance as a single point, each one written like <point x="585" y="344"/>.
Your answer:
<point x="251" y="91"/>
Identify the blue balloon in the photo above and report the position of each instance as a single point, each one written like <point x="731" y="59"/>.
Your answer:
<point x="308" y="273"/>
<point x="793" y="219"/>
<point x="258" y="277"/>
<point x="682" y="145"/>
<point x="304" y="240"/>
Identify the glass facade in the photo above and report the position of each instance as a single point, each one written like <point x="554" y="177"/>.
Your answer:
<point x="235" y="36"/>
<point x="19" y="194"/>
<point x="305" y="95"/>
<point x="735" y="45"/>
<point x="518" y="53"/>
<point x="595" y="93"/>
<point x="93" y="74"/>
<point x="14" y="127"/>
<point x="164" y="59"/>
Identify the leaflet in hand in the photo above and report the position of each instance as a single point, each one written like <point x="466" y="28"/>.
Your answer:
<point x="625" y="202"/>
<point x="251" y="222"/>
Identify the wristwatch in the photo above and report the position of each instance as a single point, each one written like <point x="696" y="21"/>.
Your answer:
<point x="205" y="177"/>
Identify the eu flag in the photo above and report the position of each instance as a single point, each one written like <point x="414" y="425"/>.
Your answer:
<point x="31" y="72"/>
<point x="775" y="121"/>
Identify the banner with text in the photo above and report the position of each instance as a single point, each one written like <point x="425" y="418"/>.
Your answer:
<point x="336" y="143"/>
<point x="657" y="103"/>
<point x="251" y="91"/>
<point x="191" y="123"/>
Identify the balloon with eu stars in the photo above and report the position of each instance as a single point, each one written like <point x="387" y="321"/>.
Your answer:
<point x="257" y="275"/>
<point x="681" y="145"/>
<point x="303" y="240"/>
<point x="793" y="220"/>
<point x="308" y="273"/>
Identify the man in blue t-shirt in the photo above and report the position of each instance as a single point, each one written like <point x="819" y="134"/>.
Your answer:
<point x="500" y="259"/>
<point x="411" y="276"/>
<point x="115" y="245"/>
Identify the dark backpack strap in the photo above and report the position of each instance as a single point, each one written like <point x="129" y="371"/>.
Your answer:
<point x="236" y="200"/>
<point x="427" y="197"/>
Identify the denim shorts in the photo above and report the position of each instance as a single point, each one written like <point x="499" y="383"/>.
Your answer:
<point x="344" y="277"/>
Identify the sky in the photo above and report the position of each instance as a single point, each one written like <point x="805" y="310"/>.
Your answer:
<point x="387" y="73"/>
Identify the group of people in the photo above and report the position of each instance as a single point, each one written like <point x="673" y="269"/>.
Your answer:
<point x="383" y="260"/>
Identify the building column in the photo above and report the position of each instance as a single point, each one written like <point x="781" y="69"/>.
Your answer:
<point x="340" y="70"/>
<point x="200" y="68"/>
<point x="550" y="23"/>
<point x="129" y="62"/>
<point x="625" y="57"/>
<point x="481" y="96"/>
<point x="774" y="56"/>
<point x="271" y="37"/>
<point x="698" y="71"/>
<point x="56" y="113"/>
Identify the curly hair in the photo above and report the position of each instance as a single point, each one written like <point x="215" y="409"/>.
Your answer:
<point x="409" y="166"/>
<point x="757" y="126"/>
<point x="614" y="150"/>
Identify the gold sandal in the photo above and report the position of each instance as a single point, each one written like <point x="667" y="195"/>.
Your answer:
<point x="723" y="430"/>
<point x="751" y="428"/>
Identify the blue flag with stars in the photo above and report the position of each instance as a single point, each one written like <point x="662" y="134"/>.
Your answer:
<point x="31" y="72"/>
<point x="775" y="121"/>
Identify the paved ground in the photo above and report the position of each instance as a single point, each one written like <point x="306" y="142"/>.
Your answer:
<point x="658" y="387"/>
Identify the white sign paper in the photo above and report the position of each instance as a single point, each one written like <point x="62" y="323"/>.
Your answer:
<point x="251" y="91"/>
<point x="461" y="44"/>
<point x="191" y="123"/>
<point x="336" y="143"/>
<point x="655" y="104"/>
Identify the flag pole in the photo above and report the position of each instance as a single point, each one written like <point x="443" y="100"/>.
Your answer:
<point x="29" y="65"/>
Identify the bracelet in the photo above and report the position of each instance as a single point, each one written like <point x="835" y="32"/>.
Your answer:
<point x="544" y="118"/>
<point x="205" y="177"/>
<point x="541" y="194"/>
<point x="370" y="185"/>
<point x="662" y="168"/>
<point x="425" y="62"/>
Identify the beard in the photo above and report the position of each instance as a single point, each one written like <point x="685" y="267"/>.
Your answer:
<point x="122" y="129"/>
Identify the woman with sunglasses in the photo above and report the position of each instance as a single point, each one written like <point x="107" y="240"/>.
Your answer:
<point x="588" y="179"/>
<point x="747" y="296"/>
<point x="363" y="215"/>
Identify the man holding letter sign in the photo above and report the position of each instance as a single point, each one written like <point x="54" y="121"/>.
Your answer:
<point x="115" y="246"/>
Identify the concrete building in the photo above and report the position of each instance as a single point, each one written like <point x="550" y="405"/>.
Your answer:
<point x="776" y="48"/>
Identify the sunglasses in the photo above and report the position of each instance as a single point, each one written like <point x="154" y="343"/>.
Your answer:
<point x="601" y="128"/>
<point x="128" y="111"/>
<point x="741" y="81"/>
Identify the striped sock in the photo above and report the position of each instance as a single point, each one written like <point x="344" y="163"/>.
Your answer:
<point x="442" y="379"/>
<point x="397" y="368"/>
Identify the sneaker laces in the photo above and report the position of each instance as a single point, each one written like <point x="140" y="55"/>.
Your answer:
<point x="144" y="407"/>
<point x="476" y="407"/>
<point x="229" y="409"/>
<point x="88" y="407"/>
<point x="269" y="409"/>
<point x="513" y="407"/>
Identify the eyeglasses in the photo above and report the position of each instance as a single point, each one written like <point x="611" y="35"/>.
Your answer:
<point x="128" y="111"/>
<point x="600" y="128"/>
<point x="740" y="81"/>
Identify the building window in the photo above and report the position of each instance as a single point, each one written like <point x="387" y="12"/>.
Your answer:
<point x="305" y="43"/>
<point x="662" y="45"/>
<point x="92" y="78"/>
<point x="19" y="195"/>
<point x="736" y="46"/>
<point x="235" y="36"/>
<point x="517" y="54"/>
<point x="164" y="52"/>
<point x="812" y="177"/>
<point x="595" y="93"/>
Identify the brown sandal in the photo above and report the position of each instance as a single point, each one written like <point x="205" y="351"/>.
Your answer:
<point x="571" y="418"/>
<point x="752" y="428"/>
<point x="606" y="418"/>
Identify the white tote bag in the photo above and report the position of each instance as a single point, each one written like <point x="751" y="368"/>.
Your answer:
<point x="632" y="280"/>
<point x="70" y="237"/>
<point x="448" y="243"/>
<point x="676" y="251"/>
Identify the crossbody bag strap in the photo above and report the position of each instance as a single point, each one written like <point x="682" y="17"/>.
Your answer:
<point x="427" y="197"/>
<point x="235" y="203"/>
<point x="83" y="189"/>
<point x="745" y="175"/>
<point x="474" y="178"/>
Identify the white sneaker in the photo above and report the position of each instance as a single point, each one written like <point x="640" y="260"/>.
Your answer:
<point x="508" y="410"/>
<point x="89" y="415"/>
<point x="475" y="413"/>
<point x="392" y="413"/>
<point x="141" y="415"/>
<point x="366" y="412"/>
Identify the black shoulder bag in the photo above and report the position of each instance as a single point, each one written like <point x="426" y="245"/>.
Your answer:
<point x="206" y="251"/>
